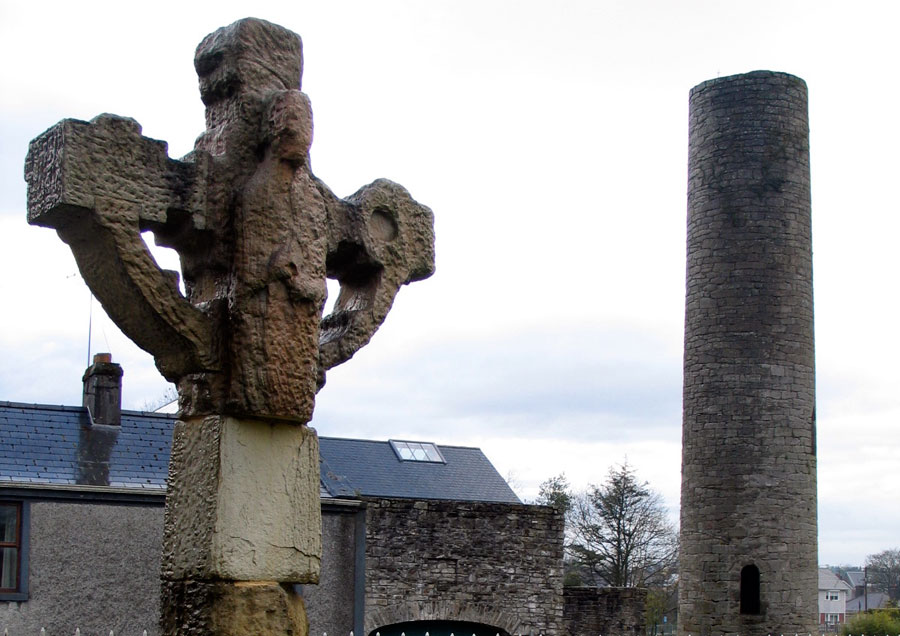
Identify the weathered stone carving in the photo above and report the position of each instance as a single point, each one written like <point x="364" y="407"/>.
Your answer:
<point x="257" y="234"/>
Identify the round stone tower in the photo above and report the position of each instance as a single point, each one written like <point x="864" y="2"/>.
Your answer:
<point x="748" y="490"/>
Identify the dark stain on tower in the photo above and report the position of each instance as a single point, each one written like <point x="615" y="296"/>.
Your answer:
<point x="748" y="494"/>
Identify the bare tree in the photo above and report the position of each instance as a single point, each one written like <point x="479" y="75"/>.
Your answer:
<point x="883" y="572"/>
<point x="619" y="532"/>
<point x="167" y="397"/>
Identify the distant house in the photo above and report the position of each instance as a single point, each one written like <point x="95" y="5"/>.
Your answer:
<point x="861" y="600"/>
<point x="833" y="596"/>
<point x="864" y="602"/>
<point x="417" y="537"/>
<point x="857" y="580"/>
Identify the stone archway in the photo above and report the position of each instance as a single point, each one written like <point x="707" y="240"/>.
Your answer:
<point x="439" y="628"/>
<point x="438" y="615"/>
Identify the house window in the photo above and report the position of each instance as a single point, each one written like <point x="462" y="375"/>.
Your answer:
<point x="750" y="601"/>
<point x="13" y="551"/>
<point x="832" y="595"/>
<point x="417" y="451"/>
<point x="831" y="619"/>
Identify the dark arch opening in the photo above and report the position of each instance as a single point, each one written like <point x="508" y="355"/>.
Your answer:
<point x="750" y="603"/>
<point x="438" y="628"/>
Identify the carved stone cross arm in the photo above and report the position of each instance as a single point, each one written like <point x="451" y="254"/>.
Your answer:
<point x="380" y="239"/>
<point x="99" y="184"/>
<point x="256" y="231"/>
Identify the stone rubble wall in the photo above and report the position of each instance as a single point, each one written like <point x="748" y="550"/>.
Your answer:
<point x="493" y="563"/>
<point x="613" y="611"/>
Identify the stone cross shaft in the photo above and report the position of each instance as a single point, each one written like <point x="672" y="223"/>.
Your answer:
<point x="247" y="346"/>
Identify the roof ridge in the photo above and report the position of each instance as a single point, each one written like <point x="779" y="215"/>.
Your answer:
<point x="167" y="416"/>
<point x="34" y="406"/>
<point x="47" y="407"/>
<point x="396" y="439"/>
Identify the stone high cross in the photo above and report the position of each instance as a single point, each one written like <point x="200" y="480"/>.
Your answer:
<point x="247" y="346"/>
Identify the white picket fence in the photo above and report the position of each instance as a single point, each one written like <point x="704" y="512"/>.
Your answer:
<point x="43" y="632"/>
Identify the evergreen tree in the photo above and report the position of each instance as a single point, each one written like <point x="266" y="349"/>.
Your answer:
<point x="619" y="532"/>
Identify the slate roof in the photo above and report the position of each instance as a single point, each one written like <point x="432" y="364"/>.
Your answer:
<point x="828" y="580"/>
<point x="57" y="446"/>
<point x="857" y="578"/>
<point x="875" y="600"/>
<point x="373" y="469"/>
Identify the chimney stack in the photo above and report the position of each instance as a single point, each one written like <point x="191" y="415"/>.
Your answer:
<point x="102" y="395"/>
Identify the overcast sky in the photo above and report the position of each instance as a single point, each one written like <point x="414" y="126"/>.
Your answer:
<point x="550" y="139"/>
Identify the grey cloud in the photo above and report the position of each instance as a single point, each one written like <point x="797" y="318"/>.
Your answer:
<point x="550" y="382"/>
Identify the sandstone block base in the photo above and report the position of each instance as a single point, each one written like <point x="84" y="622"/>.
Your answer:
<point x="201" y="608"/>
<point x="243" y="502"/>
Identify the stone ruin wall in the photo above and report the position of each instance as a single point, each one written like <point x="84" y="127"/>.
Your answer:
<point x="749" y="467"/>
<point x="493" y="563"/>
<point x="617" y="611"/>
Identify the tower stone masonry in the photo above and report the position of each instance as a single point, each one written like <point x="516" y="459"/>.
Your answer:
<point x="748" y="493"/>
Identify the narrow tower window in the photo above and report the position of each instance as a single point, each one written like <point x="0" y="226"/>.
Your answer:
<point x="750" y="590"/>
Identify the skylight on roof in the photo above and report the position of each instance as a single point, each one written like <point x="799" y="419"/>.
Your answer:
<point x="417" y="452"/>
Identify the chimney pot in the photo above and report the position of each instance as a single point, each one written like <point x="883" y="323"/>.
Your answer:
<point x="102" y="394"/>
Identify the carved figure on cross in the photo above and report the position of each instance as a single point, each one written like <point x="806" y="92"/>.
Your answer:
<point x="256" y="231"/>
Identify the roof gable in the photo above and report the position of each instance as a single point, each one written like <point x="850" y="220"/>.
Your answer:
<point x="857" y="578"/>
<point x="828" y="580"/>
